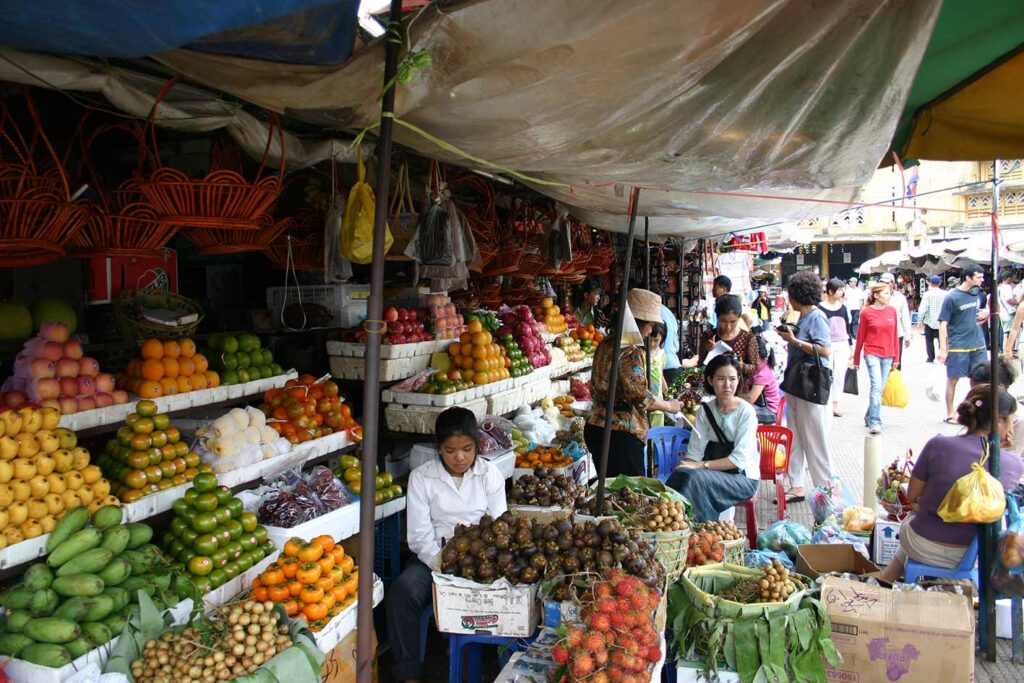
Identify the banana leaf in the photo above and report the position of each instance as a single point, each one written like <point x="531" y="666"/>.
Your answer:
<point x="301" y="663"/>
<point x="648" y="486"/>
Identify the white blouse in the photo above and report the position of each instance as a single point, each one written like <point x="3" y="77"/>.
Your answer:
<point x="739" y="426"/>
<point x="434" y="504"/>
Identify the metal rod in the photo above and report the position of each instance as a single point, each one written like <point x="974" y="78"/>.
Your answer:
<point x="371" y="384"/>
<point x="989" y="532"/>
<point x="647" y="252"/>
<point x="613" y="376"/>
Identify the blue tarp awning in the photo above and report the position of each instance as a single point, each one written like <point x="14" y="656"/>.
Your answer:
<point x="297" y="31"/>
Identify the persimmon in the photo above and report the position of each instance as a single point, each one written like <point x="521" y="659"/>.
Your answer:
<point x="278" y="593"/>
<point x="314" y="612"/>
<point x="311" y="593"/>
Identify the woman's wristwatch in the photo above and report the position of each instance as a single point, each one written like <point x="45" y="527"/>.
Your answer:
<point x="705" y="465"/>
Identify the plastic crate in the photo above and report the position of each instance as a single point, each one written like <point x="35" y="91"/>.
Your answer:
<point x="387" y="548"/>
<point x="346" y="303"/>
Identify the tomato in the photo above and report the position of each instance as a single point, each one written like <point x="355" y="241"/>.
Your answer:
<point x="272" y="575"/>
<point x="310" y="572"/>
<point x="291" y="607"/>
<point x="278" y="593"/>
<point x="289" y="566"/>
<point x="310" y="552"/>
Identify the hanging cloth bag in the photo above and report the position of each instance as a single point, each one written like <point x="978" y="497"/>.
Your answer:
<point x="977" y="497"/>
<point x="895" y="394"/>
<point x="357" y="225"/>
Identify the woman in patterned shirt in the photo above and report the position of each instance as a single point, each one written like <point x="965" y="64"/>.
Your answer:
<point x="633" y="397"/>
<point x="728" y="310"/>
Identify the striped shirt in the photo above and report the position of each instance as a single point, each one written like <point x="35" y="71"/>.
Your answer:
<point x="931" y="304"/>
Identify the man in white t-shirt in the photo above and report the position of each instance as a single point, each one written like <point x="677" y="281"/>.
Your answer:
<point x="854" y="300"/>
<point x="1007" y="305"/>
<point x="899" y="302"/>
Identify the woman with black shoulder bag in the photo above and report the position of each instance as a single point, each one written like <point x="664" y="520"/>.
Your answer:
<point x="722" y="465"/>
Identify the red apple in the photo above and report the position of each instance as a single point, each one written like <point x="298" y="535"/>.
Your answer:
<point x="413" y="314"/>
<point x="52" y="351"/>
<point x="54" y="331"/>
<point x="390" y="314"/>
<point x="13" y="398"/>
<point x="51" y="403"/>
<point x="105" y="382"/>
<point x="67" y="368"/>
<point x="69" y="387"/>
<point x="86" y="385"/>
<point x="44" y="388"/>
<point x="86" y="403"/>
<point x="68" y="405"/>
<point x="120" y="396"/>
<point x="103" y="399"/>
<point x="41" y="367"/>
<point x="90" y="367"/>
<point x="73" y="349"/>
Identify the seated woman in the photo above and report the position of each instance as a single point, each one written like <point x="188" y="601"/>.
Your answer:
<point x="764" y="392"/>
<point x="982" y="374"/>
<point x="924" y="536"/>
<point x="722" y="465"/>
<point x="457" y="488"/>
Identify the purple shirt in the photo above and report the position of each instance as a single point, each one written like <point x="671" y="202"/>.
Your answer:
<point x="766" y="376"/>
<point x="943" y="460"/>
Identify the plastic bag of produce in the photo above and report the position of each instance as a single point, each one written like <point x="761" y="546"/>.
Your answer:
<point x="895" y="394"/>
<point x="761" y="559"/>
<point x="859" y="519"/>
<point x="1008" y="572"/>
<point x="357" y="225"/>
<point x="785" y="536"/>
<point x="829" y="499"/>
<point x="831" y="532"/>
<point x="337" y="268"/>
<point x="977" y="497"/>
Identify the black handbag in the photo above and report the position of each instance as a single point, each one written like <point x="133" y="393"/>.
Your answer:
<point x="850" y="384"/>
<point x="716" y="450"/>
<point x="808" y="379"/>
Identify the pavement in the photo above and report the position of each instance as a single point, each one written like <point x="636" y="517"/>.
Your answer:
<point x="910" y="427"/>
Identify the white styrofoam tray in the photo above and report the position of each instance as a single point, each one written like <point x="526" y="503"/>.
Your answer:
<point x="391" y="369"/>
<point x="356" y="350"/>
<point x="341" y="523"/>
<point x="339" y="627"/>
<point x="413" y="419"/>
<point x="114" y="414"/>
<point x="23" y="552"/>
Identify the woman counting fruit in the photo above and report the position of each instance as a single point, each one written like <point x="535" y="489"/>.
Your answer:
<point x="457" y="488"/>
<point x="633" y="395"/>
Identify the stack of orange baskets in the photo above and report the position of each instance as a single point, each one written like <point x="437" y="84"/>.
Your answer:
<point x="223" y="202"/>
<point x="37" y="217"/>
<point x="303" y="234"/>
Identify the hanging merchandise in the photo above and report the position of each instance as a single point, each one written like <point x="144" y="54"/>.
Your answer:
<point x="975" y="498"/>
<point x="557" y="241"/>
<point x="336" y="267"/>
<point x="357" y="226"/>
<point x="737" y="266"/>
<point x="402" y="212"/>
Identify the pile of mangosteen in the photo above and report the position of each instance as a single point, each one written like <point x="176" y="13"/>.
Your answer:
<point x="544" y="489"/>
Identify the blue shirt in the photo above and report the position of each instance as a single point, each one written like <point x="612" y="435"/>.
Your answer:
<point x="671" y="338"/>
<point x="812" y="327"/>
<point x="960" y="310"/>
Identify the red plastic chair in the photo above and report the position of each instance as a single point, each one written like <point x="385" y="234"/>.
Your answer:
<point x="780" y="418"/>
<point x="769" y="438"/>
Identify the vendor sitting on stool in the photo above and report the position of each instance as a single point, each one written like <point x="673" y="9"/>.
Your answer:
<point x="457" y="488"/>
<point x="722" y="465"/>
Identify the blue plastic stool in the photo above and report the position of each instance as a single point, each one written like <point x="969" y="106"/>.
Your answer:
<point x="967" y="569"/>
<point x="472" y="644"/>
<point x="668" y="444"/>
<point x="426" y="616"/>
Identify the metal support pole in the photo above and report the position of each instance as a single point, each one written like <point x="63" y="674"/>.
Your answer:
<point x="371" y="385"/>
<point x="990" y="532"/>
<point x="613" y="378"/>
<point x="647" y="252"/>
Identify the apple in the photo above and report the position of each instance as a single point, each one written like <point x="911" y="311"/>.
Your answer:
<point x="413" y="315"/>
<point x="86" y="386"/>
<point x="86" y="403"/>
<point x="44" y="389"/>
<point x="67" y="368"/>
<point x="54" y="331"/>
<point x="73" y="349"/>
<point x="390" y="314"/>
<point x="12" y="399"/>
<point x="105" y="382"/>
<point x="41" y="367"/>
<point x="69" y="404"/>
<point x="51" y="403"/>
<point x="52" y="351"/>
<point x="89" y="367"/>
<point x="103" y="399"/>
<point x="68" y="387"/>
<point x="120" y="396"/>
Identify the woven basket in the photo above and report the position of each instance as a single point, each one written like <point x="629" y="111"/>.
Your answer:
<point x="733" y="551"/>
<point x="701" y="586"/>
<point x="670" y="548"/>
<point x="215" y="242"/>
<point x="306" y="234"/>
<point x="128" y="307"/>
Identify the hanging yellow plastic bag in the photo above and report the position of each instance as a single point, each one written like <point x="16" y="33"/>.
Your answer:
<point x="976" y="498"/>
<point x="357" y="226"/>
<point x="895" y="394"/>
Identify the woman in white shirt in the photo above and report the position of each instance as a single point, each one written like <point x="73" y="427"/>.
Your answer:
<point x="722" y="465"/>
<point x="457" y="488"/>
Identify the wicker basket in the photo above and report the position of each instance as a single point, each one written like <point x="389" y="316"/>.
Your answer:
<point x="215" y="242"/>
<point x="130" y="303"/>
<point x="733" y="551"/>
<point x="670" y="548"/>
<point x="306" y="235"/>
<point x="701" y="585"/>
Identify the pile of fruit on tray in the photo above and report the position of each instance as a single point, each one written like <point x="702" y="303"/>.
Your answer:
<point x="543" y="457"/>
<point x="241" y="359"/>
<point x="307" y="408"/>
<point x="589" y="337"/>
<point x="350" y="471"/>
<point x="563" y="403"/>
<point x="297" y="500"/>
<point x="166" y="368"/>
<point x="43" y="473"/>
<point x="572" y="348"/>
<point x="315" y="580"/>
<point x="148" y="455"/>
<point x="475" y="360"/>
<point x="706" y="542"/>
<point x="520" y="323"/>
<point x="545" y="489"/>
<point x="549" y="314"/>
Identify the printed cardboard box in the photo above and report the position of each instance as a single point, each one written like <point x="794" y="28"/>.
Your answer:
<point x="815" y="559"/>
<point x="886" y="541"/>
<point x="899" y="636"/>
<point x="499" y="609"/>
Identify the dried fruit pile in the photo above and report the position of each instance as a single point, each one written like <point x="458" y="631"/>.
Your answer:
<point x="618" y="640"/>
<point x="524" y="551"/>
<point x="545" y="489"/>
<point x="775" y="586"/>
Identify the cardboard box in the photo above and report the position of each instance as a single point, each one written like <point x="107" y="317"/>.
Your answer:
<point x="903" y="636"/>
<point x="340" y="664"/>
<point x="556" y="613"/>
<point x="815" y="559"/>
<point x="109" y="275"/>
<point x="497" y="610"/>
<point x="886" y="541"/>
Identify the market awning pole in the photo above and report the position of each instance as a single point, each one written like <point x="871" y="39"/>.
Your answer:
<point x="647" y="252"/>
<point x="989" y="532"/>
<point x="371" y="384"/>
<point x="613" y="379"/>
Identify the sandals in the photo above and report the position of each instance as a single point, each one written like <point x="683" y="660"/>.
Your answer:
<point x="951" y="421"/>
<point x="792" y="499"/>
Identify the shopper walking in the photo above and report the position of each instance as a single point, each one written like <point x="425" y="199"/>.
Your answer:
<point x="809" y="421"/>
<point x="854" y="304"/>
<point x="838" y="317"/>
<point x="931" y="304"/>
<point x="633" y="396"/>
<point x="961" y="335"/>
<point x="877" y="340"/>
<point x="898" y="301"/>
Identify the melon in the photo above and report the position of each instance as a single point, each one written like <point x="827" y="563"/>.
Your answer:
<point x="47" y="310"/>
<point x="15" y="322"/>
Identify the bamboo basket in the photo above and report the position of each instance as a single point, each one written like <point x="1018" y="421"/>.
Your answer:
<point x="128" y="307"/>
<point x="701" y="586"/>
<point x="670" y="548"/>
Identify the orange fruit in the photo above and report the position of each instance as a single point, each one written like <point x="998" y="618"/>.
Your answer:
<point x="202" y="365"/>
<point x="480" y="365"/>
<point x="479" y="352"/>
<point x="480" y="338"/>
<point x="152" y="370"/>
<point x="198" y="380"/>
<point x="474" y="326"/>
<point x="134" y="366"/>
<point x="186" y="368"/>
<point x="465" y="339"/>
<point x="171" y="349"/>
<point x="169" y="386"/>
<point x="184" y="385"/>
<point x="152" y="348"/>
<point x="212" y="379"/>
<point x="188" y="347"/>
<point x="455" y="349"/>
<point x="149" y="389"/>
<point x="171" y="368"/>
